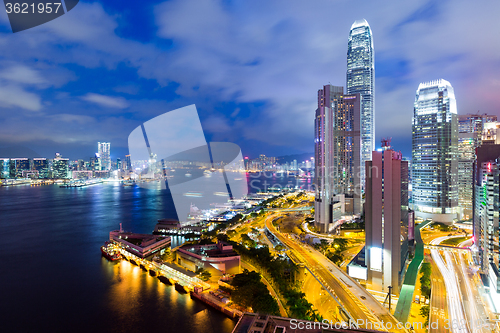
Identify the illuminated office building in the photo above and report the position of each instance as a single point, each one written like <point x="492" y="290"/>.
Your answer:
<point x="435" y="152"/>
<point x="103" y="149"/>
<point x="41" y="165"/>
<point x="486" y="207"/>
<point x="4" y="168"/>
<point x="128" y="162"/>
<point x="386" y="220"/>
<point x="60" y="167"/>
<point x="491" y="133"/>
<point x="337" y="156"/>
<point x="17" y="166"/>
<point x="470" y="129"/>
<point x="361" y="79"/>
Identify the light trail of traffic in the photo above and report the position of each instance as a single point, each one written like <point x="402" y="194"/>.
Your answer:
<point x="456" y="314"/>
<point x="474" y="319"/>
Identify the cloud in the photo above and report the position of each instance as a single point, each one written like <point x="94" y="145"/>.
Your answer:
<point x="106" y="101"/>
<point x="21" y="74"/>
<point x="12" y="96"/>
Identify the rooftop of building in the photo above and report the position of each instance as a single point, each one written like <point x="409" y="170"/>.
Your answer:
<point x="434" y="83"/>
<point x="140" y="240"/>
<point x="253" y="322"/>
<point x="360" y="23"/>
<point x="221" y="249"/>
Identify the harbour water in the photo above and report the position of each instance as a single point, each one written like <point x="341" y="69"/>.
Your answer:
<point x="53" y="278"/>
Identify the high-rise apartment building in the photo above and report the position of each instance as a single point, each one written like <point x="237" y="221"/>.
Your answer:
<point x="337" y="154"/>
<point x="470" y="129"/>
<point x="435" y="152"/>
<point x="103" y="149"/>
<point x="386" y="220"/>
<point x="361" y="79"/>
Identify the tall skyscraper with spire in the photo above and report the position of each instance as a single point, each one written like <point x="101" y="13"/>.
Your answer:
<point x="361" y="79"/>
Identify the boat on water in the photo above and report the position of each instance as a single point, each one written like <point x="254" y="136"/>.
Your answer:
<point x="128" y="183"/>
<point x="109" y="252"/>
<point x="188" y="174"/>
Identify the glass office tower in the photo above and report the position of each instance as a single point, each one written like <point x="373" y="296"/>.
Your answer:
<point x="435" y="152"/>
<point x="42" y="166"/>
<point x="470" y="129"/>
<point x="361" y="79"/>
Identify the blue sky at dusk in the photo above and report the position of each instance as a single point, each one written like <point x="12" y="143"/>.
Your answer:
<point x="252" y="68"/>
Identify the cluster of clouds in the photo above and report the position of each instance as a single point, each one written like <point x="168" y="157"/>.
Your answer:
<point x="215" y="53"/>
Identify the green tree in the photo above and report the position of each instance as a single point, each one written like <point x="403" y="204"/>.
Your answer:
<point x="336" y="257"/>
<point x="250" y="291"/>
<point x="203" y="274"/>
<point x="247" y="241"/>
<point x="340" y="244"/>
<point x="424" y="312"/>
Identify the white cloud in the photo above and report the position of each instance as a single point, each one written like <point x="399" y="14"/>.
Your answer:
<point x="12" y="96"/>
<point x="106" y="101"/>
<point x="21" y="74"/>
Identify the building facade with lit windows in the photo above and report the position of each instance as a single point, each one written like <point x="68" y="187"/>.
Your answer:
<point x="386" y="220"/>
<point x="17" y="166"/>
<point x="487" y="208"/>
<point x="60" y="167"/>
<point x="361" y="79"/>
<point x="470" y="130"/>
<point x="104" y="151"/>
<point x="435" y="152"/>
<point x="41" y="165"/>
<point x="4" y="168"/>
<point x="337" y="155"/>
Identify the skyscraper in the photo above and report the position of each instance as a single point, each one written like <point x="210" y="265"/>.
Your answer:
<point x="487" y="208"/>
<point x="60" y="167"/>
<point x="435" y="152"/>
<point x="17" y="166"/>
<point x="470" y="129"/>
<point x="361" y="79"/>
<point x="386" y="219"/>
<point x="42" y="166"/>
<point x="103" y="149"/>
<point x="4" y="168"/>
<point x="128" y="163"/>
<point x="337" y="155"/>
